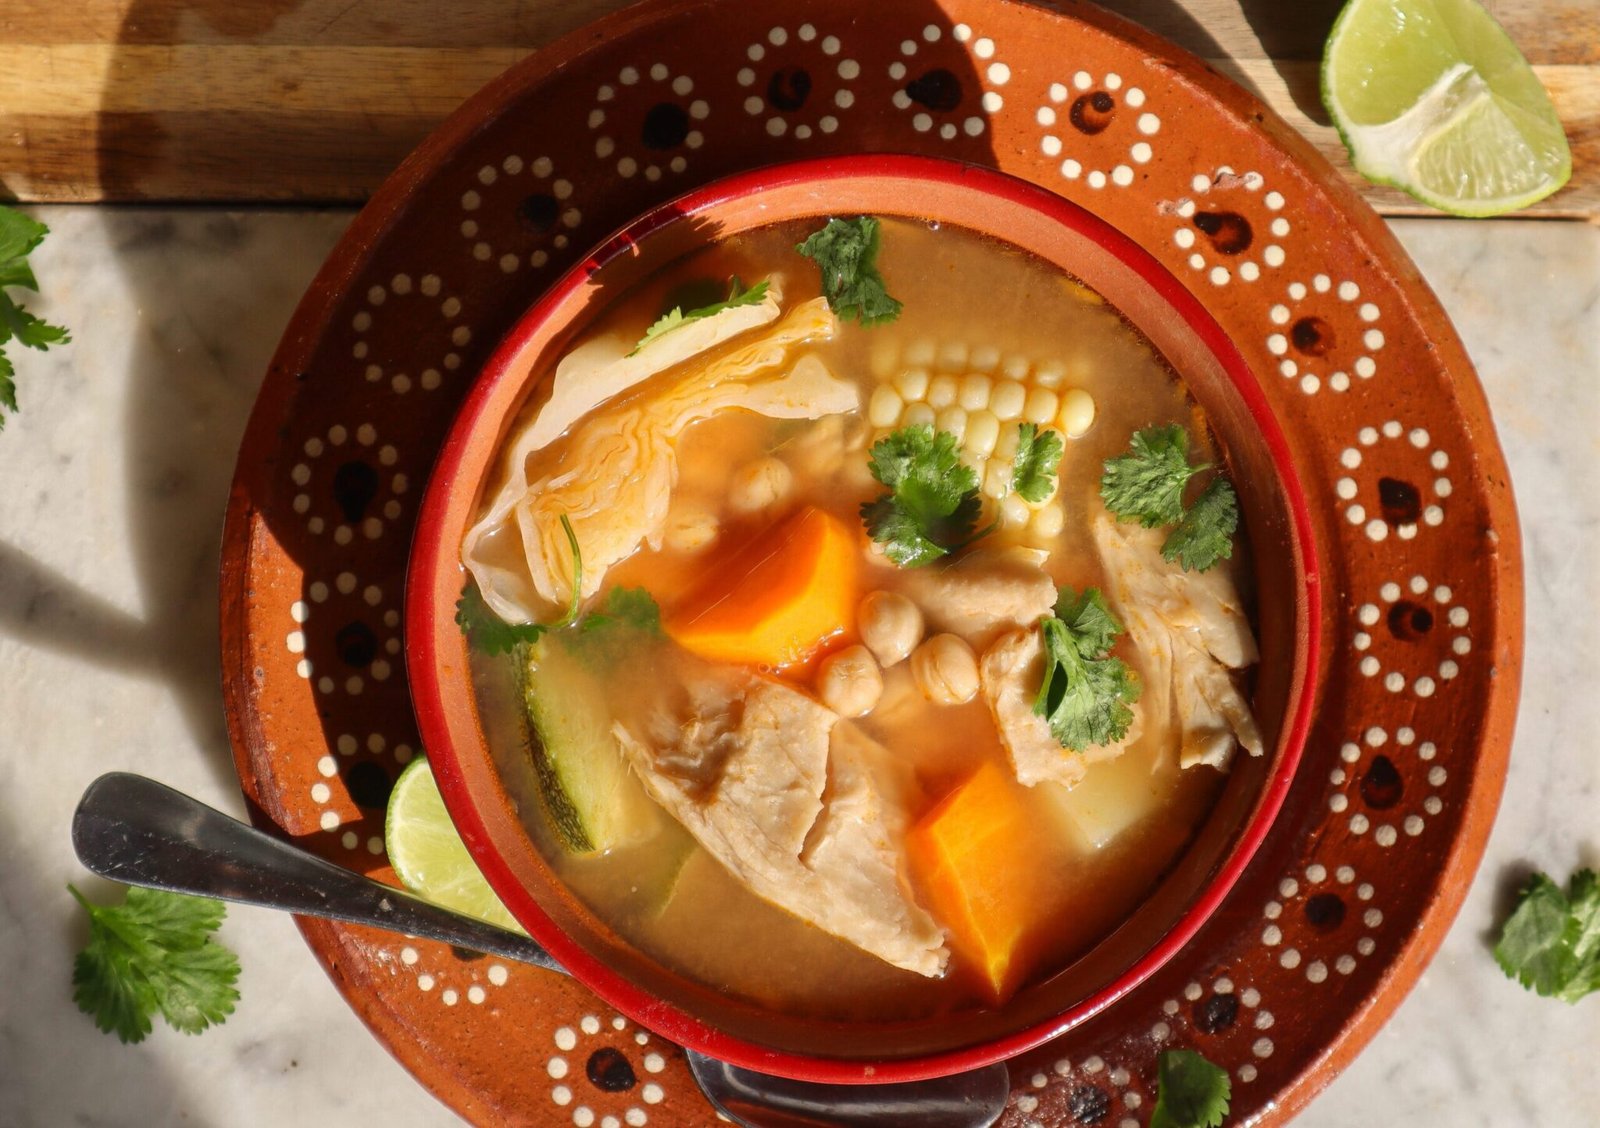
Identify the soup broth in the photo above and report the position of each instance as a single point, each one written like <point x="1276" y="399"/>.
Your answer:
<point x="989" y="338"/>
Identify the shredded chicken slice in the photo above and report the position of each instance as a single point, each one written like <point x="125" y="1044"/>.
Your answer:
<point x="983" y="591"/>
<point x="1192" y="633"/>
<point x="611" y="474"/>
<point x="803" y="809"/>
<point x="1011" y="672"/>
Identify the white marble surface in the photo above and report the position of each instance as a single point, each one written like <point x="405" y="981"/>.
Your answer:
<point x="114" y="476"/>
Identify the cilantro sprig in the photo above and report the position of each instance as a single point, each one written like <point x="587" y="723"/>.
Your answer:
<point x="1086" y="695"/>
<point x="1147" y="485"/>
<point x="846" y="251"/>
<point x="19" y="235"/>
<point x="1190" y="1093"/>
<point x="932" y="504"/>
<point x="677" y="318"/>
<point x="1038" y="457"/>
<point x="154" y="953"/>
<point x="1551" y="942"/>
<point x="635" y="608"/>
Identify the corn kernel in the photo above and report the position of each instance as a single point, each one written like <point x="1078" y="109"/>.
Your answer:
<point x="997" y="477"/>
<point x="941" y="391"/>
<point x="1051" y="375"/>
<point x="920" y="353"/>
<point x="1048" y="522"/>
<point x="983" y="429"/>
<point x="884" y="407"/>
<point x="1006" y="445"/>
<point x="1077" y="412"/>
<point x="975" y="389"/>
<point x="917" y="415"/>
<point x="954" y="420"/>
<point x="1040" y="406"/>
<point x="1014" y="511"/>
<point x="1007" y="400"/>
<point x="913" y="384"/>
<point x="1016" y="367"/>
<point x="953" y="356"/>
<point x="984" y="358"/>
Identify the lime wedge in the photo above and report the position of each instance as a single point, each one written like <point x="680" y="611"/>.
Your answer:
<point x="1433" y="97"/>
<point x="428" y="855"/>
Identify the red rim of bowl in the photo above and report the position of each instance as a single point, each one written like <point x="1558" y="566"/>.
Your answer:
<point x="423" y="612"/>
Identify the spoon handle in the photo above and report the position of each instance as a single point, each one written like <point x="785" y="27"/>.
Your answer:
<point x="139" y="832"/>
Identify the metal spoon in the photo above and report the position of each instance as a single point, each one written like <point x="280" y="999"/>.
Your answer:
<point x="140" y="832"/>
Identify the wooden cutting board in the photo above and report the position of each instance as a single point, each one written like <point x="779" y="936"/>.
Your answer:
<point x="319" y="100"/>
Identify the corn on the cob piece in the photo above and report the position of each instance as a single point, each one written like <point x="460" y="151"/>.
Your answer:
<point x="982" y="397"/>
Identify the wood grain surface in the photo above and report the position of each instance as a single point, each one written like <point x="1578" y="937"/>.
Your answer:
<point x="319" y="100"/>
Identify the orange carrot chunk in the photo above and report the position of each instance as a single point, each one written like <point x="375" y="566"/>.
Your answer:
<point x="972" y="857"/>
<point x="776" y="600"/>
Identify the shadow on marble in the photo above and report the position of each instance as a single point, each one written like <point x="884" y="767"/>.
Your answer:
<point x="50" y="1050"/>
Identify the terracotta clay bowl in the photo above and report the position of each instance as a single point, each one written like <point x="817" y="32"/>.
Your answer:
<point x="483" y="801"/>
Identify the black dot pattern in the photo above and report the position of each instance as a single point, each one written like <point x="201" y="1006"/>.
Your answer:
<point x="1312" y="336"/>
<point x="1381" y="786"/>
<point x="665" y="126"/>
<point x="789" y="88"/>
<point x="1088" y="1105"/>
<point x="355" y="484"/>
<point x="1409" y="621"/>
<point x="1217" y="1013"/>
<point x="539" y="213"/>
<point x="369" y="785"/>
<point x="938" y="89"/>
<point x="1228" y="232"/>
<point x="357" y="645"/>
<point x="1092" y="113"/>
<point x="1325" y="912"/>
<point x="609" y="1071"/>
<point x="1400" y="500"/>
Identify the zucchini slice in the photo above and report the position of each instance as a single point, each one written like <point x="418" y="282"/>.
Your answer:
<point x="594" y="800"/>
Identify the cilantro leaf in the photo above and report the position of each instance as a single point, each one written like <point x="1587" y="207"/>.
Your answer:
<point x="487" y="631"/>
<point x="491" y="634"/>
<point x="19" y="235"/>
<point x="1092" y="624"/>
<point x="1190" y="1092"/>
<point x="1551" y="943"/>
<point x="1085" y="695"/>
<point x="154" y="953"/>
<point x="676" y="318"/>
<point x="933" y="502"/>
<point x="633" y="608"/>
<point x="1205" y="534"/>
<point x="846" y="251"/>
<point x="1146" y="484"/>
<point x="1033" y="470"/>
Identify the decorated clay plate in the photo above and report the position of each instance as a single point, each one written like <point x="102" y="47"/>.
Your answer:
<point x="1421" y="599"/>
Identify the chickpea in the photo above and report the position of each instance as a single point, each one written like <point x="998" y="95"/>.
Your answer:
<point x="691" y="529"/>
<point x="946" y="670"/>
<point x="760" y="485"/>
<point x="850" y="682"/>
<point x="891" y="626"/>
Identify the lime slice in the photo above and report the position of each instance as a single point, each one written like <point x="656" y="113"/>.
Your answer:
<point x="428" y="855"/>
<point x="1433" y="97"/>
